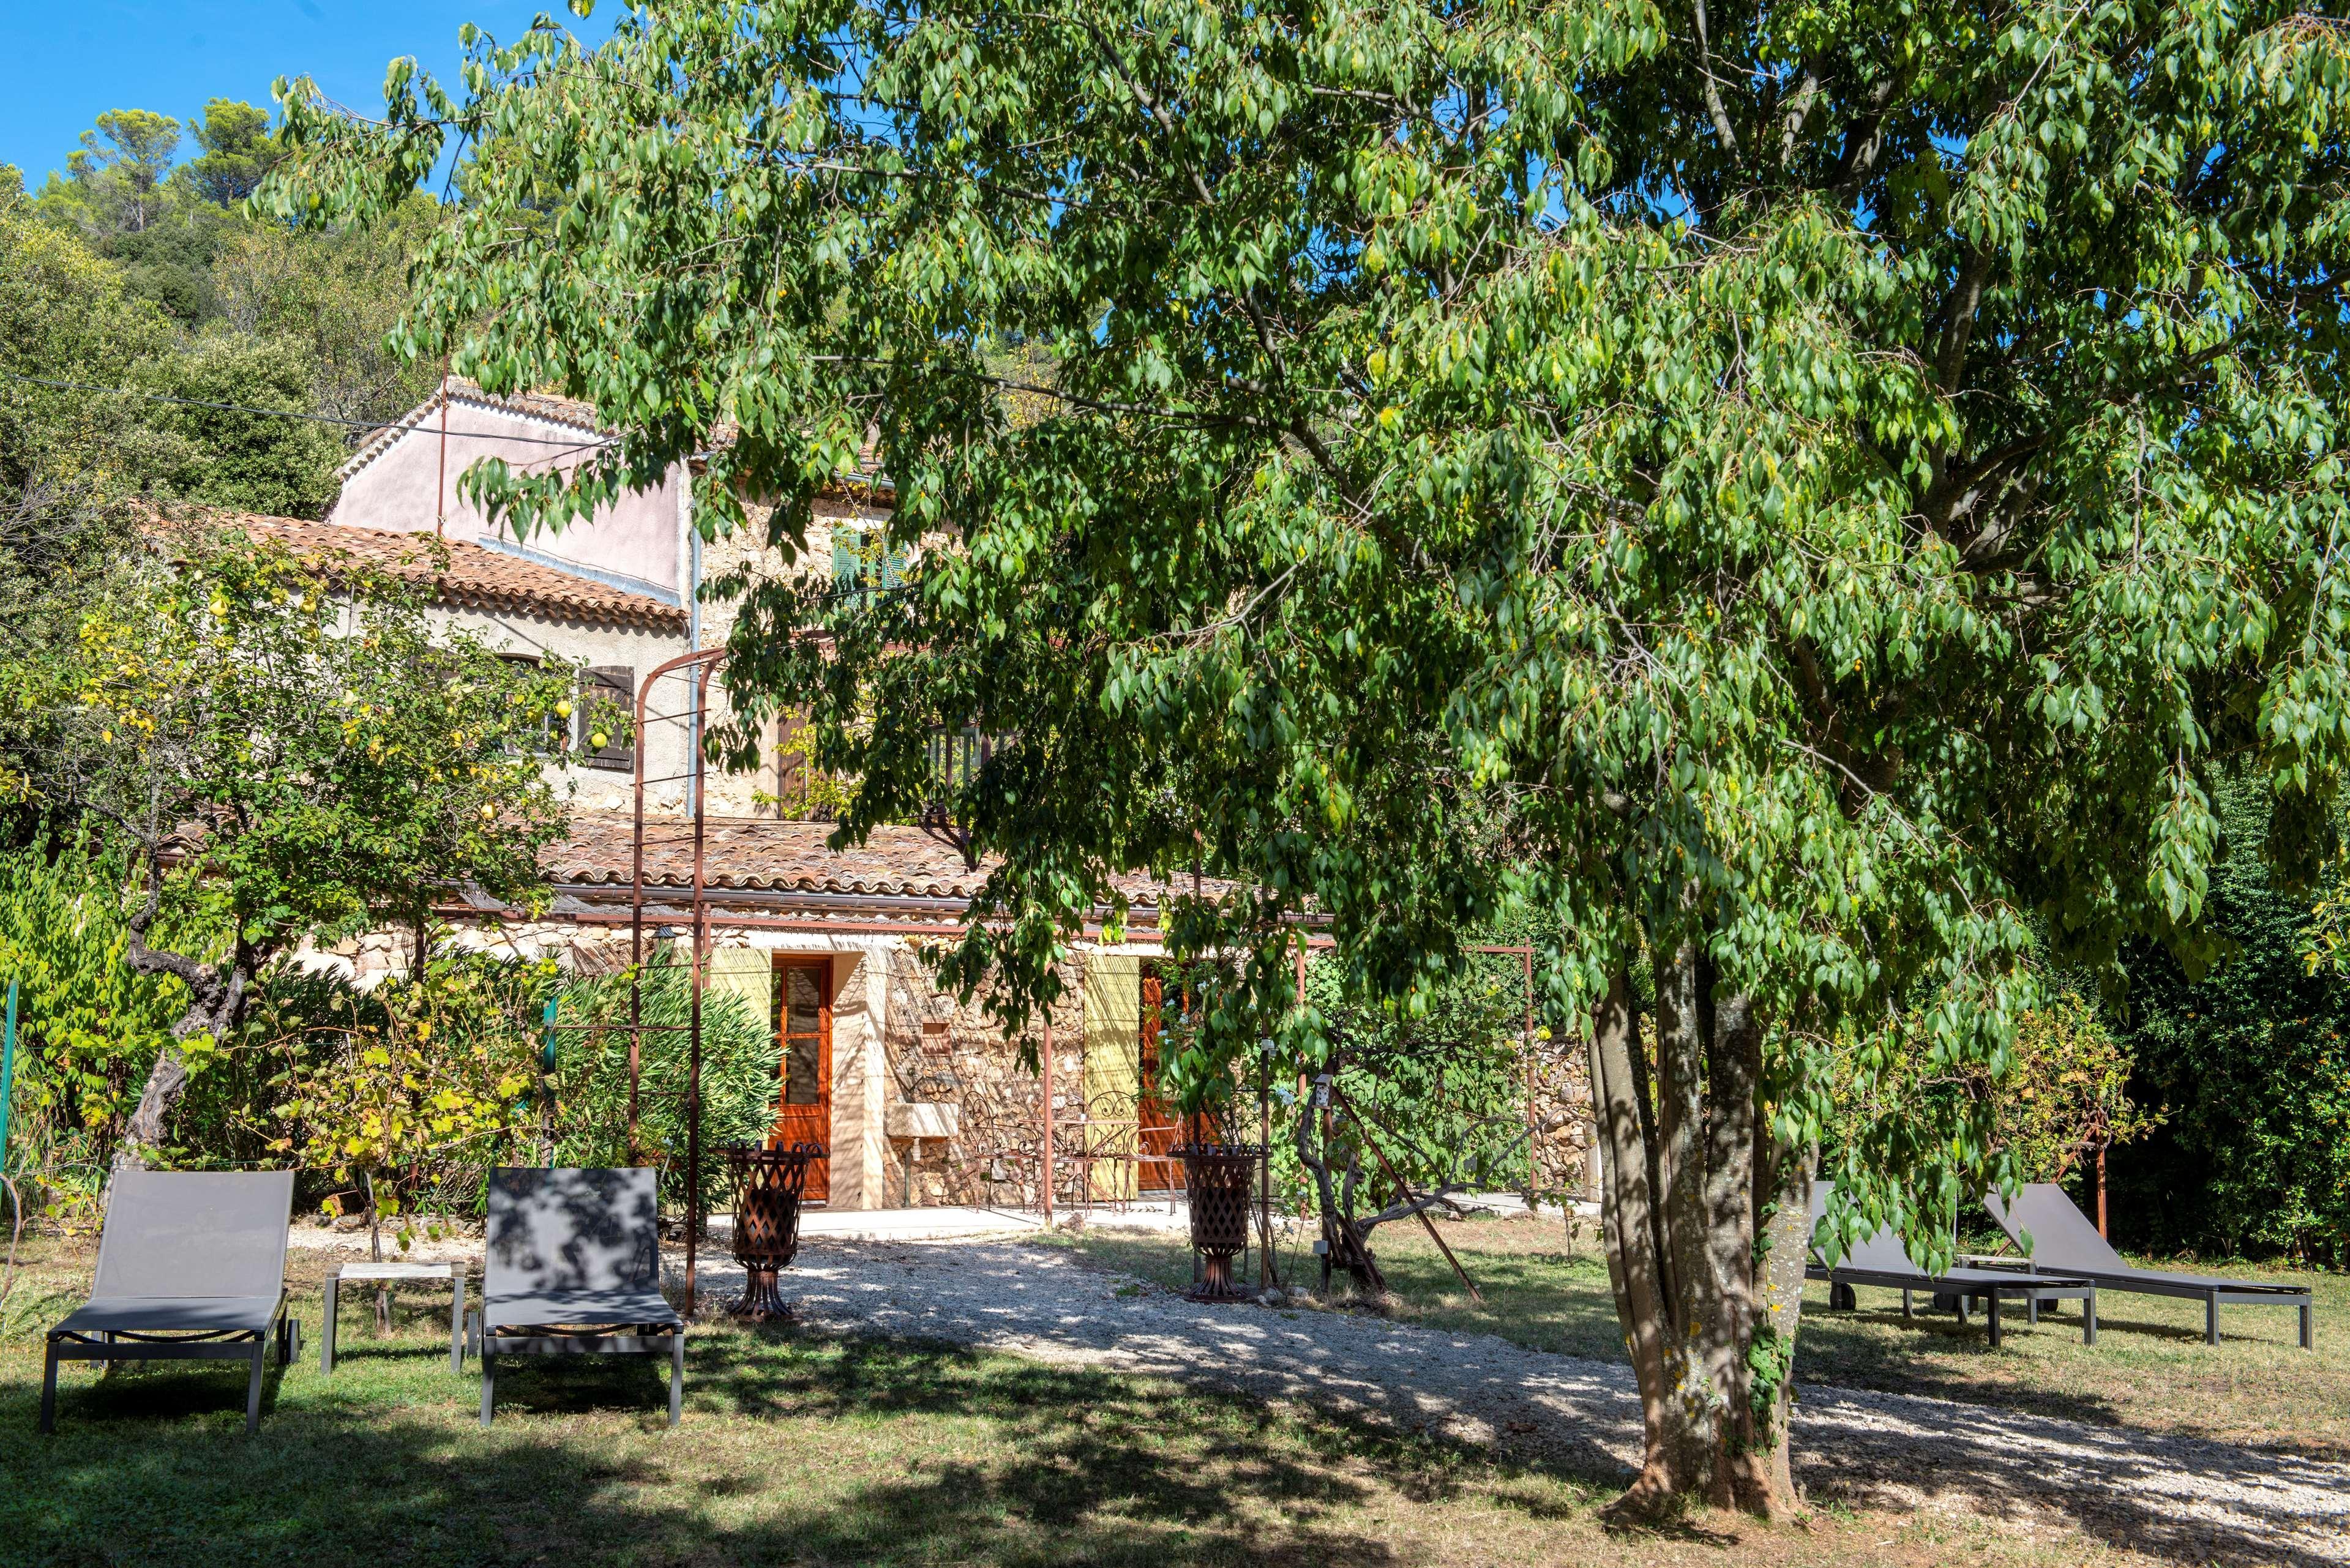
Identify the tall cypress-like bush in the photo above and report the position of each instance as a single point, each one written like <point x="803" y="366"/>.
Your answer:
<point x="2250" y="1064"/>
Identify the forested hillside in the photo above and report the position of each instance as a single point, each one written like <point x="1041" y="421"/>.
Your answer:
<point x="136" y="296"/>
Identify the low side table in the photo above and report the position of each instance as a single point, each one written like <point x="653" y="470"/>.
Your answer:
<point x="449" y="1274"/>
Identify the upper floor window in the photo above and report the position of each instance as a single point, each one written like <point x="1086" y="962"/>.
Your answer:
<point x="604" y="719"/>
<point x="864" y="560"/>
<point x="555" y="737"/>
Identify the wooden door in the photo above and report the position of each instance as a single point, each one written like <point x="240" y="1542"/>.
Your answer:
<point x="803" y="1025"/>
<point x="1158" y="1133"/>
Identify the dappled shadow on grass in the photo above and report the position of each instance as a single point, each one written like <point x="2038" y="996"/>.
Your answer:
<point x="1115" y="1429"/>
<point x="793" y="1449"/>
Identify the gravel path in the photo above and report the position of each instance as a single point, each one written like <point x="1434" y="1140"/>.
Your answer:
<point x="2174" y="1496"/>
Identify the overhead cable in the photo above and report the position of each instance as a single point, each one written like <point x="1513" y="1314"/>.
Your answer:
<point x="292" y="414"/>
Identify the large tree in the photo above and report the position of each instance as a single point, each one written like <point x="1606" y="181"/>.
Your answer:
<point x="1787" y="494"/>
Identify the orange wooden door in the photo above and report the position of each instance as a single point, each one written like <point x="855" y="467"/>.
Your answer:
<point x="803" y="1024"/>
<point x="1157" y="1131"/>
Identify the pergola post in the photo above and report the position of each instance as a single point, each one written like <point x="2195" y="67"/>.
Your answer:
<point x="1046" y="1185"/>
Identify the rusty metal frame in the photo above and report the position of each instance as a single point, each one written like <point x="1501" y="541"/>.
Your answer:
<point x="1525" y="952"/>
<point x="704" y="663"/>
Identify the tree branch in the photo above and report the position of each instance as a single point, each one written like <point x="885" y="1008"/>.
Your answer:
<point x="1722" y="127"/>
<point x="1799" y="110"/>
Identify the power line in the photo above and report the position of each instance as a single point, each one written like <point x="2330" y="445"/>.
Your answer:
<point x="293" y="414"/>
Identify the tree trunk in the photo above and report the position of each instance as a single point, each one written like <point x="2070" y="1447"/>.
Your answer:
<point x="1628" y="1219"/>
<point x="1707" y="1276"/>
<point x="375" y="1254"/>
<point x="1786" y="1226"/>
<point x="1696" y="1321"/>
<point x="167" y="1080"/>
<point x="215" y="1006"/>
<point x="1734" y="1074"/>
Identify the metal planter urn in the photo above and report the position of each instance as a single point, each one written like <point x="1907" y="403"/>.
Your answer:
<point x="1221" y="1179"/>
<point x="768" y="1186"/>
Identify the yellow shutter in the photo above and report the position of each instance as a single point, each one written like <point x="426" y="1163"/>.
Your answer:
<point x="1113" y="1076"/>
<point x="746" y="972"/>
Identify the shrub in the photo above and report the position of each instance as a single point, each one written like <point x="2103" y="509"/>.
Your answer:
<point x="415" y="1089"/>
<point x="88" y="1026"/>
<point x="2251" y="1066"/>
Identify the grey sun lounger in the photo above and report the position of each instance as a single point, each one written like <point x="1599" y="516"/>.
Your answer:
<point x="191" y="1267"/>
<point x="2052" y="1233"/>
<point x="574" y="1269"/>
<point x="1882" y="1262"/>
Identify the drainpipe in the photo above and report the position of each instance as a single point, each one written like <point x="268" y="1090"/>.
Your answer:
<point x="440" y="490"/>
<point x="692" y="639"/>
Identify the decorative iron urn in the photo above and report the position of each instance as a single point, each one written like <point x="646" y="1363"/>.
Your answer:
<point x="768" y="1186"/>
<point x="1220" y="1179"/>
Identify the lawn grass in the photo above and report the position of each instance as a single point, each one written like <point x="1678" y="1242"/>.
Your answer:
<point x="798" y="1448"/>
<point x="2149" y="1369"/>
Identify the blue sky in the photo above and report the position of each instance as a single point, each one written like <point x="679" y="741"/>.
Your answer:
<point x="62" y="62"/>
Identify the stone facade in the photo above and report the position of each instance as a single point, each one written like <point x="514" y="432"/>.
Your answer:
<point x="945" y="1053"/>
<point x="909" y="1060"/>
<point x="930" y="1103"/>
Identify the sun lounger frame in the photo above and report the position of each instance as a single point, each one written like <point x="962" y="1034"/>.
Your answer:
<point x="262" y="1193"/>
<point x="593" y="1332"/>
<point x="2213" y="1290"/>
<point x="1990" y="1286"/>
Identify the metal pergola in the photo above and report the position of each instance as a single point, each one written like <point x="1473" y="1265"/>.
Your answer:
<point x="697" y="668"/>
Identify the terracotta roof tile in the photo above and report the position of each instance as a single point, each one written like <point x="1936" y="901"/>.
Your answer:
<point x="745" y="854"/>
<point x="469" y="576"/>
<point x="759" y="854"/>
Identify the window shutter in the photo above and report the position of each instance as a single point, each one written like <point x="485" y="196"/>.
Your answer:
<point x="845" y="562"/>
<point x="606" y="688"/>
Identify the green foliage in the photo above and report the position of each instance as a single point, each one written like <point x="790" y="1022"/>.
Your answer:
<point x="345" y="759"/>
<point x="115" y="180"/>
<point x="296" y="742"/>
<point x="2066" y="1094"/>
<point x="238" y="150"/>
<point x="421" y="1087"/>
<point x="249" y="461"/>
<point x="2250" y="1064"/>
<point x="2062" y="1092"/>
<point x="121" y="197"/>
<point x="1802" y="502"/>
<point x="90" y="1025"/>
<point x="741" y="1075"/>
<point x="338" y="296"/>
<point x="61" y="553"/>
<point x="410" y="1091"/>
<point x="64" y="315"/>
<point x="97" y="273"/>
<point x="1437" y="1085"/>
<point x="1713" y="497"/>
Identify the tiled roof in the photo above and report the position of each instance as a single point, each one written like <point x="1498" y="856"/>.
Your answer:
<point x="866" y="481"/>
<point x="568" y="412"/>
<point x="757" y="854"/>
<point x="745" y="854"/>
<point x="465" y="575"/>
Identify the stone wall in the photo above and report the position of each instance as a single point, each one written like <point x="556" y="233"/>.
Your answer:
<point x="753" y="793"/>
<point x="896" y="1040"/>
<point x="940" y="1050"/>
<point x="1566" y="1141"/>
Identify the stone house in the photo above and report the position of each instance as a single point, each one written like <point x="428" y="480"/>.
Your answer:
<point x="918" y="1101"/>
